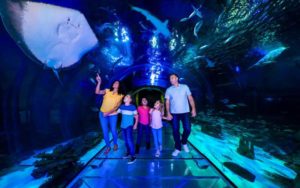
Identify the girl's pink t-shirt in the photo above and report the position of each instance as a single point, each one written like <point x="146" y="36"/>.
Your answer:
<point x="156" y="119"/>
<point x="143" y="115"/>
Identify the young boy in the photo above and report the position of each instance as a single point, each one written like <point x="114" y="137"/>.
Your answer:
<point x="128" y="123"/>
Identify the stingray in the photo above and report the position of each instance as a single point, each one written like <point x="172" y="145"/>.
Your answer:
<point x="52" y="35"/>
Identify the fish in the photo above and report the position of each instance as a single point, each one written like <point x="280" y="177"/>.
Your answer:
<point x="229" y="39"/>
<point x="62" y="40"/>
<point x="161" y="27"/>
<point x="210" y="64"/>
<point x="93" y="81"/>
<point x="225" y="101"/>
<point x="241" y="104"/>
<point x="195" y="12"/>
<point x="197" y="27"/>
<point x="143" y="26"/>
<point x="203" y="47"/>
<point x="199" y="57"/>
<point x="269" y="57"/>
<point x="231" y="106"/>
<point x="104" y="26"/>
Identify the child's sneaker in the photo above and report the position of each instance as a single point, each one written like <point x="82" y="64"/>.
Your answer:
<point x="106" y="150"/>
<point x="131" y="160"/>
<point x="115" y="147"/>
<point x="126" y="156"/>
<point x="175" y="153"/>
<point x="185" y="148"/>
<point x="157" y="154"/>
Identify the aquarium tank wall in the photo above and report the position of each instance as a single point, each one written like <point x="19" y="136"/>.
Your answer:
<point x="240" y="60"/>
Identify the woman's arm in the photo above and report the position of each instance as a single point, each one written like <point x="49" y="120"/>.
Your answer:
<point x="97" y="90"/>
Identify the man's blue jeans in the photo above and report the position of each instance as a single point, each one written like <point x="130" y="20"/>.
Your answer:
<point x="185" y="119"/>
<point x="105" y="123"/>
<point x="128" y="138"/>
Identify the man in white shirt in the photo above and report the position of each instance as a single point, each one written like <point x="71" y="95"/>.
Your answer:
<point x="178" y="97"/>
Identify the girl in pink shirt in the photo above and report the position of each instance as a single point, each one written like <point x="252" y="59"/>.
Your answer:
<point x="143" y="125"/>
<point x="156" y="116"/>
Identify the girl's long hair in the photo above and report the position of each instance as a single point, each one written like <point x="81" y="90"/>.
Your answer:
<point x="161" y="107"/>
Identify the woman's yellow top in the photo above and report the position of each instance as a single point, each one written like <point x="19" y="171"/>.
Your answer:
<point x="110" y="101"/>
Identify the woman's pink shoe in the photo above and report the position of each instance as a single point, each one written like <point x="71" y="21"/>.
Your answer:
<point x="107" y="150"/>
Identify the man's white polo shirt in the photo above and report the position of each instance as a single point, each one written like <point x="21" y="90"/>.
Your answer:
<point x="178" y="97"/>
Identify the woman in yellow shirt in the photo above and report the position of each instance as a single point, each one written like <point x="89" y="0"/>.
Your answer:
<point x="108" y="112"/>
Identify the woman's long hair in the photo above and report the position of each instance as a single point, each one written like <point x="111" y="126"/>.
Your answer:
<point x="121" y="90"/>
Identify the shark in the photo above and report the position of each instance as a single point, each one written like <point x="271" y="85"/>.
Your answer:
<point x="269" y="57"/>
<point x="161" y="27"/>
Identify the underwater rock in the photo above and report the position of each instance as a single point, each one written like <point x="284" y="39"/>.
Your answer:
<point x="274" y="150"/>
<point x="242" y="172"/>
<point x="297" y="136"/>
<point x="203" y="164"/>
<point x="246" y="148"/>
<point x="297" y="181"/>
<point x="212" y="130"/>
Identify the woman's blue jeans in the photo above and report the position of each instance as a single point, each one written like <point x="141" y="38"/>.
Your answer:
<point x="106" y="123"/>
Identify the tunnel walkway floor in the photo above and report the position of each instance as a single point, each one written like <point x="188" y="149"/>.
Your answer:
<point x="186" y="170"/>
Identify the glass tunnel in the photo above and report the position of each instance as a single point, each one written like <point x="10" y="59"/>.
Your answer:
<point x="220" y="78"/>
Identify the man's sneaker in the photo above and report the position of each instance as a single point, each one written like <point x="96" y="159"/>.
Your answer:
<point x="185" y="148"/>
<point x="175" y="153"/>
<point x="106" y="150"/>
<point x="126" y="156"/>
<point x="157" y="154"/>
<point x="115" y="147"/>
<point x="131" y="160"/>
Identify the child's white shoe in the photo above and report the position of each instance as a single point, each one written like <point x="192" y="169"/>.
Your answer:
<point x="175" y="153"/>
<point x="185" y="148"/>
<point x="157" y="154"/>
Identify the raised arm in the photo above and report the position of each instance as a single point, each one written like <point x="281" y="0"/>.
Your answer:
<point x="97" y="90"/>
<point x="192" y="102"/>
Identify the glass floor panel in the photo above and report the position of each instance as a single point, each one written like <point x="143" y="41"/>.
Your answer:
<point x="187" y="170"/>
